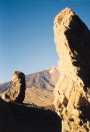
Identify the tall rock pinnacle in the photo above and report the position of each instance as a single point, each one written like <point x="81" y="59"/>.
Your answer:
<point x="72" y="39"/>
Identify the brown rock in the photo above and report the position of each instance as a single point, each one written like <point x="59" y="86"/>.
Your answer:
<point x="16" y="91"/>
<point x="72" y="39"/>
<point x="39" y="87"/>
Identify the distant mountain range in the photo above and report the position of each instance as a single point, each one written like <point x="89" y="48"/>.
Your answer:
<point x="39" y="86"/>
<point x="45" y="79"/>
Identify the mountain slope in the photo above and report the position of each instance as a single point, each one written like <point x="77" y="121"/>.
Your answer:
<point x="40" y="87"/>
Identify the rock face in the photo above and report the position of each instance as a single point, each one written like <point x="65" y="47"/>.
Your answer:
<point x="16" y="91"/>
<point x="72" y="39"/>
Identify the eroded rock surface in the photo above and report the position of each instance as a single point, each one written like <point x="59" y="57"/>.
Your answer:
<point x="39" y="87"/>
<point x="72" y="39"/>
<point x="16" y="90"/>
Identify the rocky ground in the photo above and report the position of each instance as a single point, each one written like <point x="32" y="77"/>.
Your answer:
<point x="16" y="117"/>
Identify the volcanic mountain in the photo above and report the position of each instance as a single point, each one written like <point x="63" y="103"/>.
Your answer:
<point x="39" y="87"/>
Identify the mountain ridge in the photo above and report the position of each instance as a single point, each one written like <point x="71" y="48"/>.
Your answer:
<point x="39" y="87"/>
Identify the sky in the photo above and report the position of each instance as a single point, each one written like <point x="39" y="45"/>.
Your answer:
<point x="26" y="33"/>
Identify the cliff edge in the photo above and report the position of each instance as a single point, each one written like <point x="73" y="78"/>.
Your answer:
<point x="72" y="99"/>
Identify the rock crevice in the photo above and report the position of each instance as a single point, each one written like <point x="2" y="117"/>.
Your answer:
<point x="72" y="39"/>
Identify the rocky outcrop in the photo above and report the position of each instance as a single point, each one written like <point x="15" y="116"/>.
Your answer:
<point x="39" y="87"/>
<point x="16" y="90"/>
<point x="72" y="39"/>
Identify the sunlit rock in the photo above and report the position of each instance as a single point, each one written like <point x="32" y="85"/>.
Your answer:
<point x="72" y="39"/>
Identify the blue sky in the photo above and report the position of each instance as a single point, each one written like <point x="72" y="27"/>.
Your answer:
<point x="26" y="33"/>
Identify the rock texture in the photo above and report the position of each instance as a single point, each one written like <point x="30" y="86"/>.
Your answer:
<point x="17" y="87"/>
<point x="72" y="39"/>
<point x="39" y="87"/>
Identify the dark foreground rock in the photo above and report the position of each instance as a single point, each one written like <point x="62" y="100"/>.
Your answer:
<point x="22" y="118"/>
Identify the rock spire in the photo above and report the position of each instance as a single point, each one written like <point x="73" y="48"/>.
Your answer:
<point x="72" y="38"/>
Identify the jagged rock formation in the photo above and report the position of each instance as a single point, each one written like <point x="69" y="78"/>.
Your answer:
<point x="39" y="87"/>
<point x="72" y="39"/>
<point x="16" y="90"/>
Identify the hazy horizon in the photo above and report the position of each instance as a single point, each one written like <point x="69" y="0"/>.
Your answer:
<point x="26" y="33"/>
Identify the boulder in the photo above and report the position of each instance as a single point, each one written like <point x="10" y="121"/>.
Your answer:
<point x="17" y="87"/>
<point x="72" y="38"/>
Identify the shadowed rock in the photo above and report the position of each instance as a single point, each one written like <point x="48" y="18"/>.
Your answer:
<point x="39" y="87"/>
<point x="22" y="118"/>
<point x="72" y="39"/>
<point x="17" y="87"/>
